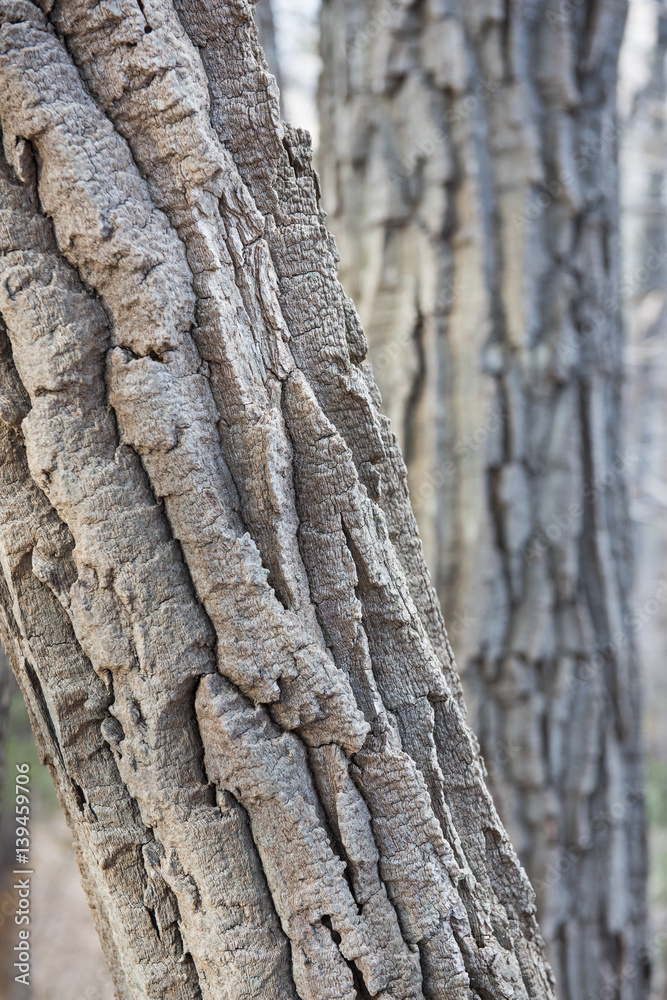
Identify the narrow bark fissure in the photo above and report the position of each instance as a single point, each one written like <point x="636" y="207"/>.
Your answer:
<point x="359" y="984"/>
<point x="415" y="396"/>
<point x="79" y="796"/>
<point x="593" y="575"/>
<point x="55" y="752"/>
<point x="153" y="920"/>
<point x="147" y="27"/>
<point x="498" y="510"/>
<point x="329" y="824"/>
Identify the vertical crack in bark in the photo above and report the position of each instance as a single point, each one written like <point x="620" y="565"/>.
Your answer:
<point x="415" y="396"/>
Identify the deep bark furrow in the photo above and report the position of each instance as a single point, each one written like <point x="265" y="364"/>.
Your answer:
<point x="352" y="822"/>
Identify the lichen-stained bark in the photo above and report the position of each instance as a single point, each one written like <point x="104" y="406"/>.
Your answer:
<point x="468" y="162"/>
<point x="212" y="583"/>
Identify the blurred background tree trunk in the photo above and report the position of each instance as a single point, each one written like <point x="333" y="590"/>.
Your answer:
<point x="643" y="96"/>
<point x="266" y="29"/>
<point x="468" y="162"/>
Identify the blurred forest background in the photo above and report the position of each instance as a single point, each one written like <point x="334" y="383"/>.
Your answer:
<point x="67" y="961"/>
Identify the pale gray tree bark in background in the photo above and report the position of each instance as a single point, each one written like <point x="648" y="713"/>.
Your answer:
<point x="644" y="293"/>
<point x="212" y="586"/>
<point x="644" y="288"/>
<point x="266" y="31"/>
<point x="468" y="166"/>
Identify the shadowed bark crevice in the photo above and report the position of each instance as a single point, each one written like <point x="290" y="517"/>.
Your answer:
<point x="416" y="393"/>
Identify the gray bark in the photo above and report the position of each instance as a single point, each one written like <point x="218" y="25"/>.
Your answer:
<point x="468" y="166"/>
<point x="644" y="293"/>
<point x="212" y="583"/>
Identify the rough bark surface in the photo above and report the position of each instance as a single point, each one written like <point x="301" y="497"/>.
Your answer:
<point x="468" y="165"/>
<point x="212" y="585"/>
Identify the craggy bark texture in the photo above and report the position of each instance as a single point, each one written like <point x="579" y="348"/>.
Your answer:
<point x="212" y="583"/>
<point x="468" y="163"/>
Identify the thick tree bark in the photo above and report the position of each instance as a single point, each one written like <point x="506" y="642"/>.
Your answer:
<point x="212" y="582"/>
<point x="468" y="162"/>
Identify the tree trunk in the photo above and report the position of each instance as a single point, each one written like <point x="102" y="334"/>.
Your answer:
<point x="212" y="583"/>
<point x="468" y="163"/>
